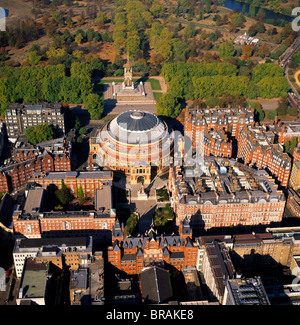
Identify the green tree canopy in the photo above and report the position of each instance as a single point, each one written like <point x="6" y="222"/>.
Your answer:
<point x="94" y="104"/>
<point x="39" y="133"/>
<point x="168" y="105"/>
<point x="226" y="50"/>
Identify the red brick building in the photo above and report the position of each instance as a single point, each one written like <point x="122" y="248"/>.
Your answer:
<point x="227" y="194"/>
<point x="256" y="148"/>
<point x="216" y="143"/>
<point x="88" y="181"/>
<point x="17" y="172"/>
<point x="287" y="131"/>
<point x="132" y="254"/>
<point x="225" y="119"/>
<point x="34" y="221"/>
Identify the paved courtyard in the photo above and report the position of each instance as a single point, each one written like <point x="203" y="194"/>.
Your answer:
<point x="127" y="99"/>
<point x="145" y="208"/>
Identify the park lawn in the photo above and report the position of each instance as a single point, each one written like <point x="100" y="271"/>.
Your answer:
<point x="157" y="95"/>
<point x="155" y="84"/>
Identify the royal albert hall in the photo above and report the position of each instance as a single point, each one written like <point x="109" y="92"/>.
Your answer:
<point x="135" y="139"/>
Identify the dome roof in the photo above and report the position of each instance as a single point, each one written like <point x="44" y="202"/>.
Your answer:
<point x="136" y="126"/>
<point x="137" y="121"/>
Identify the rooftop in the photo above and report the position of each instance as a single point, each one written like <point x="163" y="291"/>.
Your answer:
<point x="34" y="280"/>
<point x="222" y="180"/>
<point x="136" y="126"/>
<point x="247" y="292"/>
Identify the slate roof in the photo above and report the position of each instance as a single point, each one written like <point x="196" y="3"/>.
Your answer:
<point x="156" y="285"/>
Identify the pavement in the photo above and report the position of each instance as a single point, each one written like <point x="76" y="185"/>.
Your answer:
<point x="144" y="208"/>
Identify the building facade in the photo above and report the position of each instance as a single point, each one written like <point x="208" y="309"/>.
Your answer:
<point x="224" y="119"/>
<point x="217" y="268"/>
<point x="71" y="252"/>
<point x="16" y="172"/>
<point x="255" y="147"/>
<point x="227" y="194"/>
<point x="294" y="181"/>
<point x="132" y="254"/>
<point x="19" y="117"/>
<point x="133" y="138"/>
<point x="34" y="221"/>
<point x="88" y="181"/>
<point x="216" y="143"/>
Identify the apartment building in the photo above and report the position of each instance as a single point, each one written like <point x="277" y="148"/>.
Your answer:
<point x="217" y="268"/>
<point x="71" y="252"/>
<point x="230" y="119"/>
<point x="220" y="193"/>
<point x="293" y="201"/>
<point x="34" y="283"/>
<point x="276" y="246"/>
<point x="216" y="143"/>
<point x="255" y="147"/>
<point x="19" y="117"/>
<point x="287" y="131"/>
<point x="87" y="284"/>
<point x="27" y="160"/>
<point x="220" y="255"/>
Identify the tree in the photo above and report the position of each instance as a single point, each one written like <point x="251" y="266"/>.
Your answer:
<point x="94" y="104"/>
<point x="34" y="58"/>
<point x="238" y="19"/>
<point x="63" y="194"/>
<point x="133" y="45"/>
<point x="189" y="31"/>
<point x="157" y="9"/>
<point x="77" y="123"/>
<point x="180" y="50"/>
<point x="168" y="105"/>
<point x="82" y="131"/>
<point x="226" y="50"/>
<point x="101" y="19"/>
<point x="131" y="223"/>
<point x="263" y="70"/>
<point x="212" y="102"/>
<point x="247" y="50"/>
<point x="264" y="50"/>
<point x="259" y="114"/>
<point x="39" y="133"/>
<point x="80" y="192"/>
<point x="270" y="87"/>
<point x="78" y="38"/>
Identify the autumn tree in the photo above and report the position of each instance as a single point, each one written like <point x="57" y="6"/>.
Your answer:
<point x="247" y="50"/>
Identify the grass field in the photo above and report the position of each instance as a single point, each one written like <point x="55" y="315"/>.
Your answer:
<point x="157" y="95"/>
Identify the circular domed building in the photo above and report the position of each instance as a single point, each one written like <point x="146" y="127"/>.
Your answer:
<point x="135" y="141"/>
